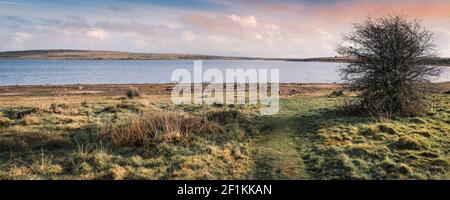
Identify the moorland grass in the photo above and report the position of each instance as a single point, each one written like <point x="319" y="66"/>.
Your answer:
<point x="150" y="138"/>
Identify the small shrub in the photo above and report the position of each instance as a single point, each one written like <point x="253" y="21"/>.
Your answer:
<point x="132" y="93"/>
<point x="336" y="93"/>
<point x="391" y="68"/>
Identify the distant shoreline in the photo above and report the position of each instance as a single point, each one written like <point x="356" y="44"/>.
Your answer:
<point x="115" y="55"/>
<point x="65" y="54"/>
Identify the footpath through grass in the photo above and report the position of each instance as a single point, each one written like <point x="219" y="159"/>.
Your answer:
<point x="285" y="138"/>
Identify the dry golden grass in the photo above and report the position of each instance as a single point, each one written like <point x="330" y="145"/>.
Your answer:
<point x="157" y="127"/>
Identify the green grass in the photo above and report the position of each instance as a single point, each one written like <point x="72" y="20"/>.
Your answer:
<point x="310" y="138"/>
<point x="332" y="145"/>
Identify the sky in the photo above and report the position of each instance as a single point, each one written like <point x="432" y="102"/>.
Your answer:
<point x="263" y="28"/>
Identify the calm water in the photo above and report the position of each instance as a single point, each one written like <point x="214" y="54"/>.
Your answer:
<point x="41" y="72"/>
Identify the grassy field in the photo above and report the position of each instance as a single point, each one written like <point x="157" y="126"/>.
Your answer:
<point x="147" y="137"/>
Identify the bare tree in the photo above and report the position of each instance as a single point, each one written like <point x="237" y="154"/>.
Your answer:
<point x="390" y="65"/>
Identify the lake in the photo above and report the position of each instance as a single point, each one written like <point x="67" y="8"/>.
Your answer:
<point x="54" y="72"/>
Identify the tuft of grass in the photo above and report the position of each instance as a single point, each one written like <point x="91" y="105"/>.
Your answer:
<point x="5" y="122"/>
<point x="157" y="127"/>
<point x="116" y="172"/>
<point x="44" y="165"/>
<point x="224" y="116"/>
<point x="395" y="170"/>
<point x="411" y="142"/>
<point x="336" y="93"/>
<point x="386" y="128"/>
<point x="128" y="106"/>
<point x="121" y="106"/>
<point x="19" y="113"/>
<point x="57" y="107"/>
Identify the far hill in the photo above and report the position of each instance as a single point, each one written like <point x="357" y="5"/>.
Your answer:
<point x="64" y="54"/>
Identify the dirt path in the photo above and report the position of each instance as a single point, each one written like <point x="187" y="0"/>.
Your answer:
<point x="276" y="156"/>
<point x="288" y="139"/>
<point x="276" y="152"/>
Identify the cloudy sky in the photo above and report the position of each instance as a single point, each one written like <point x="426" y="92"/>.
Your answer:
<point x="289" y="28"/>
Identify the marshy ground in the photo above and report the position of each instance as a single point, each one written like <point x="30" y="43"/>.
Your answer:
<point x="96" y="132"/>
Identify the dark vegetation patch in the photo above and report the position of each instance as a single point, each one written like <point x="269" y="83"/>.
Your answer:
<point x="132" y="93"/>
<point x="19" y="113"/>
